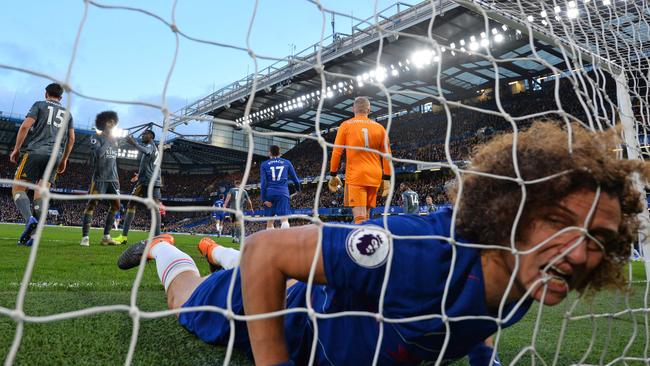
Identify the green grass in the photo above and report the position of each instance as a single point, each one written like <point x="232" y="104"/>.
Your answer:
<point x="68" y="277"/>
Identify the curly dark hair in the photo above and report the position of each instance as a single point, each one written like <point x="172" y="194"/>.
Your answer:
<point x="103" y="117"/>
<point x="488" y="206"/>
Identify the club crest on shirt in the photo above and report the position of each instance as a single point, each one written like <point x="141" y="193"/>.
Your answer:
<point x="368" y="247"/>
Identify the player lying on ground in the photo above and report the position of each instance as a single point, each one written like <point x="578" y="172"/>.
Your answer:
<point x="105" y="180"/>
<point x="44" y="120"/>
<point x="575" y="233"/>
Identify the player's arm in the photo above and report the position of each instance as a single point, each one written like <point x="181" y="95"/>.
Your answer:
<point x="248" y="201"/>
<point x="263" y="182"/>
<point x="227" y="201"/>
<point x="143" y="149"/>
<point x="68" y="149"/>
<point x="294" y="177"/>
<point x="337" y="152"/>
<point x="275" y="256"/>
<point x="20" y="138"/>
<point x="385" y="148"/>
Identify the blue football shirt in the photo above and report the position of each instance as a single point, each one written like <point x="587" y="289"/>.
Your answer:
<point x="355" y="261"/>
<point x="275" y="174"/>
<point x="218" y="203"/>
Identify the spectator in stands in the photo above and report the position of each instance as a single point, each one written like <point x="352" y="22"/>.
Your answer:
<point x="430" y="206"/>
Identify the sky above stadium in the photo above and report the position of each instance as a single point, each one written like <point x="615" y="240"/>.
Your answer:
<point x="124" y="55"/>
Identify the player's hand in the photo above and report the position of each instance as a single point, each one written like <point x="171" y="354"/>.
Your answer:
<point x="62" y="165"/>
<point x="385" y="187"/>
<point x="268" y="204"/>
<point x="14" y="156"/>
<point x="334" y="183"/>
<point x="130" y="140"/>
<point x="134" y="178"/>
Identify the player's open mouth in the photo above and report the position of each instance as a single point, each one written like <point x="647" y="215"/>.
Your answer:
<point x="559" y="279"/>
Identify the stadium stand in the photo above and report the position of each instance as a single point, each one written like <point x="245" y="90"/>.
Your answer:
<point x="414" y="136"/>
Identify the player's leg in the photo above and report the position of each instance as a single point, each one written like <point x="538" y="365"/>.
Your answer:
<point x="219" y="226"/>
<point x="30" y="169"/>
<point x="19" y="192"/>
<point x="371" y="199"/>
<point x="157" y="217"/>
<point x="270" y="212"/>
<point x="172" y="265"/>
<point x="282" y="208"/>
<point x="114" y="207"/>
<point x="355" y="197"/>
<point x="235" y="228"/>
<point x="86" y="221"/>
<point x="218" y="257"/>
<point x="130" y="214"/>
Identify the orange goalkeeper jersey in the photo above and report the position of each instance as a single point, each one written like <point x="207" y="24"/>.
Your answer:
<point x="362" y="168"/>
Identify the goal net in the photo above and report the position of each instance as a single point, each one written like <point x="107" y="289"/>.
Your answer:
<point x="472" y="69"/>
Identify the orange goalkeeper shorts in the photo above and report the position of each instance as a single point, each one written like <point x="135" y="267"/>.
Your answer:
<point x="360" y="196"/>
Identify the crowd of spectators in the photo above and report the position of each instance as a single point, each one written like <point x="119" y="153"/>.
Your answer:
<point x="415" y="136"/>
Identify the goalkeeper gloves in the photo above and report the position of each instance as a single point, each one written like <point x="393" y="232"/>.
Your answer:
<point x="334" y="183"/>
<point x="385" y="186"/>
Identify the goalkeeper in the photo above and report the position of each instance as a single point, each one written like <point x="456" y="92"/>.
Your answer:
<point x="363" y="169"/>
<point x="590" y="190"/>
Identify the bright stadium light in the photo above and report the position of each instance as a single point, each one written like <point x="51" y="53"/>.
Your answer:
<point x="607" y="2"/>
<point x="462" y="42"/>
<point x="472" y="39"/>
<point x="365" y="76"/>
<point x="498" y="38"/>
<point x="473" y="46"/>
<point x="572" y="13"/>
<point x="557" y="9"/>
<point x="495" y="31"/>
<point x="543" y="14"/>
<point x="452" y="45"/>
<point x="394" y="72"/>
<point x="340" y="84"/>
<point x="530" y="18"/>
<point x="485" y="43"/>
<point x="504" y="27"/>
<point x="360" y="84"/>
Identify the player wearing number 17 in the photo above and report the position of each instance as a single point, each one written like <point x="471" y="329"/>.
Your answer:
<point x="274" y="181"/>
<point x="44" y="119"/>
<point x="363" y="169"/>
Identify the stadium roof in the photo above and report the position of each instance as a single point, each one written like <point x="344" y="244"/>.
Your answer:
<point x="288" y="92"/>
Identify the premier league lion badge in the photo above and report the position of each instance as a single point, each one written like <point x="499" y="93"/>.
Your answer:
<point x="368" y="247"/>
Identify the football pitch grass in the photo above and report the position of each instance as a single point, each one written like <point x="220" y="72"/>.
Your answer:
<point x="68" y="277"/>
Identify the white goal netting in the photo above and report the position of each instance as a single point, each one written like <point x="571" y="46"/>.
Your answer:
<point x="585" y="61"/>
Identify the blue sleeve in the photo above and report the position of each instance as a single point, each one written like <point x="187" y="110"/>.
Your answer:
<point x="263" y="182"/>
<point x="294" y="176"/>
<point x="355" y="258"/>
